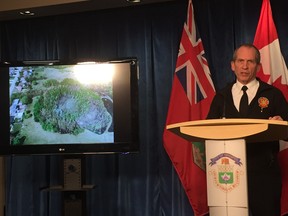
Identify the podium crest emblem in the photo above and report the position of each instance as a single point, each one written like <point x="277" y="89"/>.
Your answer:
<point x="225" y="171"/>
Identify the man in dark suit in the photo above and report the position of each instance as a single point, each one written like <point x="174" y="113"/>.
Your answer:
<point x="264" y="102"/>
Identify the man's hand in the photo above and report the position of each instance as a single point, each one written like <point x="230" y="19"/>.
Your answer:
<point x="276" y="118"/>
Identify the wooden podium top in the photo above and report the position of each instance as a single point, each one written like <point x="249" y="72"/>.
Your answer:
<point x="252" y="130"/>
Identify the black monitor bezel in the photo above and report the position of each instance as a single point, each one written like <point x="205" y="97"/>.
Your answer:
<point x="122" y="146"/>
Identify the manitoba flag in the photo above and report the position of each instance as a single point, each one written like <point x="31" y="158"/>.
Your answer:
<point x="191" y="96"/>
<point x="274" y="71"/>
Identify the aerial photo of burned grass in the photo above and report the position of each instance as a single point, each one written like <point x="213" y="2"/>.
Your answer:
<point x="49" y="105"/>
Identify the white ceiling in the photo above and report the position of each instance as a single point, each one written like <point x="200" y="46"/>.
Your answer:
<point x="10" y="9"/>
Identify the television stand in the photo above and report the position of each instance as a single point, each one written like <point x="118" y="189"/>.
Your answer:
<point x="73" y="191"/>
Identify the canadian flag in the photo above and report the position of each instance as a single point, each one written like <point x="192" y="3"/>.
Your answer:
<point x="274" y="71"/>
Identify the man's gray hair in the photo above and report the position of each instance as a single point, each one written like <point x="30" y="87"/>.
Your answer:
<point x="257" y="53"/>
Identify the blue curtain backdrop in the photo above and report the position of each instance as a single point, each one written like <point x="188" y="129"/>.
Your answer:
<point x="142" y="184"/>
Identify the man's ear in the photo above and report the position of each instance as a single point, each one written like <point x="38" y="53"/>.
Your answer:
<point x="232" y="63"/>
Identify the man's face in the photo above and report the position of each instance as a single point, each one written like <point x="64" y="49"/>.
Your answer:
<point x="245" y="66"/>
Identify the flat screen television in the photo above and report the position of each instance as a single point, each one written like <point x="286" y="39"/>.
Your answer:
<point x="78" y="108"/>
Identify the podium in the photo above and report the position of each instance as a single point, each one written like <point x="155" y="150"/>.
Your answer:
<point x="225" y="146"/>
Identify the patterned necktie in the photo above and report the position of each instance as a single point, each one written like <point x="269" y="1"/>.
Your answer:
<point x="244" y="102"/>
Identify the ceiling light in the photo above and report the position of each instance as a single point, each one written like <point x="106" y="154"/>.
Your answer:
<point x="27" y="13"/>
<point x="133" y="1"/>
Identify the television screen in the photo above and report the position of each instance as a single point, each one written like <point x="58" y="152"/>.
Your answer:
<point x="82" y="108"/>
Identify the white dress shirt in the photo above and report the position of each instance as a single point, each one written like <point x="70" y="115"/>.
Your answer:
<point x="237" y="92"/>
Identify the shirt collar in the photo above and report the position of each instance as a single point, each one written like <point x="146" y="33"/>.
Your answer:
<point x="250" y="85"/>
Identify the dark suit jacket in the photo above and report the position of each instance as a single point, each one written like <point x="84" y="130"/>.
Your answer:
<point x="223" y="105"/>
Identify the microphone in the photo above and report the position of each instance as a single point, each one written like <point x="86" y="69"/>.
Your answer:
<point x="224" y="107"/>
